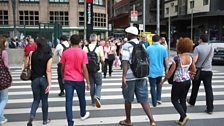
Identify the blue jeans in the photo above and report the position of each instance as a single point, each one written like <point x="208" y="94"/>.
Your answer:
<point x="39" y="86"/>
<point x="70" y="86"/>
<point x="3" y="101"/>
<point x="155" y="89"/>
<point x="95" y="85"/>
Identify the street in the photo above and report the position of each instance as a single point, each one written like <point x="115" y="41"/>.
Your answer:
<point x="112" y="110"/>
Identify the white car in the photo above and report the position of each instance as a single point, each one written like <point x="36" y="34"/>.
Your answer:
<point x="218" y="50"/>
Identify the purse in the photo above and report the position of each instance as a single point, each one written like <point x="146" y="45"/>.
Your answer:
<point x="111" y="57"/>
<point x="170" y="80"/>
<point x="198" y="72"/>
<point x="5" y="76"/>
<point x="26" y="72"/>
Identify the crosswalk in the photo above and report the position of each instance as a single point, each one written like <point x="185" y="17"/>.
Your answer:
<point x="112" y="110"/>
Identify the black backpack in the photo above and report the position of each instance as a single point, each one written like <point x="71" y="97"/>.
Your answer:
<point x="140" y="62"/>
<point x="64" y="47"/>
<point x="93" y="66"/>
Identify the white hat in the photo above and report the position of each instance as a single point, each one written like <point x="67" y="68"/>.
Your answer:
<point x="132" y="30"/>
<point x="125" y="39"/>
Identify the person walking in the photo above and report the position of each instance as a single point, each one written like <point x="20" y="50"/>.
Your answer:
<point x="95" y="76"/>
<point x="157" y="58"/>
<point x="132" y="85"/>
<point x="181" y="64"/>
<point x="30" y="47"/>
<point x="163" y="42"/>
<point x="144" y="41"/>
<point x="74" y="70"/>
<point x="201" y="52"/>
<point x="58" y="52"/>
<point x="4" y="92"/>
<point x="41" y="62"/>
<point x="109" y="52"/>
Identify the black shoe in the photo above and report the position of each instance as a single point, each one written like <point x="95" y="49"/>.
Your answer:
<point x="209" y="112"/>
<point x="188" y="101"/>
<point x="104" y="77"/>
<point x="29" y="124"/>
<point x="61" y="94"/>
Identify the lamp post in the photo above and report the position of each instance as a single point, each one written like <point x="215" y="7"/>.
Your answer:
<point x="158" y="17"/>
<point x="192" y="21"/>
<point x="14" y="16"/>
<point x="144" y="16"/>
<point x="169" y="27"/>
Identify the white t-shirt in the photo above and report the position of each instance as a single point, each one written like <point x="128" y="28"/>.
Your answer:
<point x="59" y="49"/>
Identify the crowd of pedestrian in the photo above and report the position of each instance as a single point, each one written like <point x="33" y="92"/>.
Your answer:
<point x="82" y="66"/>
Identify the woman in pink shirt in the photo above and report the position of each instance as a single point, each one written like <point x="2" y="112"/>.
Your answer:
<point x="74" y="69"/>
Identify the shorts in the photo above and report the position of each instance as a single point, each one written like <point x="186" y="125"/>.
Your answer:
<point x="137" y="87"/>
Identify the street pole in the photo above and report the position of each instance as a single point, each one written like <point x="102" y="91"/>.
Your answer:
<point x="144" y="16"/>
<point x="84" y="20"/>
<point x="158" y="17"/>
<point x="192" y="16"/>
<point x="14" y="16"/>
<point x="169" y="33"/>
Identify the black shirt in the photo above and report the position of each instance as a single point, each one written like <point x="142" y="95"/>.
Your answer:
<point x="39" y="66"/>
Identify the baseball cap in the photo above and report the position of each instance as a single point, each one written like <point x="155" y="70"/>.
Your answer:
<point x="132" y="30"/>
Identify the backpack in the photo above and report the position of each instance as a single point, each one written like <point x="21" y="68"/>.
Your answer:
<point x="93" y="66"/>
<point x="170" y="80"/>
<point x="5" y="76"/>
<point x="140" y="62"/>
<point x="64" y="47"/>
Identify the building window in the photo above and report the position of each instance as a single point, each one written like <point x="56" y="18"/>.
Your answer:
<point x="59" y="17"/>
<point x="28" y="17"/>
<point x="99" y="20"/>
<point x="58" y="1"/>
<point x="191" y="4"/>
<point x="167" y="10"/>
<point x="176" y="8"/>
<point x="95" y="2"/>
<point x="36" y="1"/>
<point x="205" y="2"/>
<point x="4" y="1"/>
<point x="3" y="17"/>
<point x="81" y="18"/>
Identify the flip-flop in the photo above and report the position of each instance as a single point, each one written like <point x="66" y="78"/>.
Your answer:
<point x="123" y="123"/>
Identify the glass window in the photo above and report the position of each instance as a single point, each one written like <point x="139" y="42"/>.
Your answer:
<point x="58" y="1"/>
<point x="191" y="4"/>
<point x="99" y="20"/>
<point x="3" y="17"/>
<point x="37" y="1"/>
<point x="176" y="8"/>
<point x="5" y="1"/>
<point x="59" y="17"/>
<point x="29" y="17"/>
<point x="205" y="2"/>
<point x="95" y="2"/>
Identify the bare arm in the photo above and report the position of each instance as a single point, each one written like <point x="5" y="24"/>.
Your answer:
<point x="49" y="74"/>
<point x="192" y="69"/>
<point x="125" y="69"/>
<point x="167" y="64"/>
<point x="86" y="75"/>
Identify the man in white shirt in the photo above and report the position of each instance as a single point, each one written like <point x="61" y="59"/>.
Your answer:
<point x="58" y="52"/>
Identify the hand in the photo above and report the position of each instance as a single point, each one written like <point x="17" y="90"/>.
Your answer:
<point x="88" y="87"/>
<point x="124" y="83"/>
<point x="47" y="90"/>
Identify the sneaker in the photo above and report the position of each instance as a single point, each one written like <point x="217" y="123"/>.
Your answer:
<point x="61" y="94"/>
<point x="86" y="116"/>
<point x="4" y="121"/>
<point x="159" y="102"/>
<point x="97" y="102"/>
<point x="178" y="122"/>
<point x="184" y="121"/>
<point x="46" y="122"/>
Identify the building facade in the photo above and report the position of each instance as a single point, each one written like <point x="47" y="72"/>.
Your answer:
<point x="34" y="17"/>
<point x="195" y="17"/>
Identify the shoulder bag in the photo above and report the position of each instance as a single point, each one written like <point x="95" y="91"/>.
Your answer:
<point x="26" y="73"/>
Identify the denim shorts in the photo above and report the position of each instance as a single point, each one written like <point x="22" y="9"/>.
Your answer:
<point x="137" y="87"/>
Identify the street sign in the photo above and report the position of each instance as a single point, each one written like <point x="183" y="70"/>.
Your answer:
<point x="141" y="27"/>
<point x="134" y="15"/>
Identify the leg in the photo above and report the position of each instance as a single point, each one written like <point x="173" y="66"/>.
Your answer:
<point x="148" y="112"/>
<point x="98" y="79"/>
<point x="183" y="97"/>
<point x="36" y="96"/>
<point x="3" y="101"/>
<point x="69" y="92"/>
<point x="60" y="82"/>
<point x="158" y="88"/>
<point x="152" y="82"/>
<point x="110" y="67"/>
<point x="105" y="67"/>
<point x="194" y="91"/>
<point x="175" y="96"/>
<point x="207" y="80"/>
<point x="44" y="98"/>
<point x="92" y="86"/>
<point x="80" y="89"/>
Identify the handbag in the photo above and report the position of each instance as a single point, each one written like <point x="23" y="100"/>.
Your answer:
<point x="111" y="57"/>
<point x="26" y="72"/>
<point x="198" y="72"/>
<point x="170" y="80"/>
<point x="5" y="76"/>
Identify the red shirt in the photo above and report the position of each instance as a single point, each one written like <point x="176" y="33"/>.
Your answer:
<point x="29" y="48"/>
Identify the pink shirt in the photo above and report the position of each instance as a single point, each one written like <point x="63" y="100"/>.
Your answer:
<point x="5" y="58"/>
<point x="73" y="59"/>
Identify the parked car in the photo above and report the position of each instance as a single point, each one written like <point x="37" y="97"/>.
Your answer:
<point x="218" y="51"/>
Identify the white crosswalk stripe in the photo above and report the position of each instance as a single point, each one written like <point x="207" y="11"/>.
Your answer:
<point x="112" y="110"/>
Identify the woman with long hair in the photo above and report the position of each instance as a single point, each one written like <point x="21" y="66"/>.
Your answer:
<point x="4" y="92"/>
<point x="41" y="62"/>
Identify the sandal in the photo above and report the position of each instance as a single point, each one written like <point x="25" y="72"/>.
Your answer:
<point x="153" y="124"/>
<point x="124" y="123"/>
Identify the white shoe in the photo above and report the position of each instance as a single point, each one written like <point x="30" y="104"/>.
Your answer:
<point x="4" y="121"/>
<point x="159" y="102"/>
<point x="86" y="116"/>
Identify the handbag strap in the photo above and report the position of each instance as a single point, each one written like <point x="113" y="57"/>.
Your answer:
<point x="206" y="59"/>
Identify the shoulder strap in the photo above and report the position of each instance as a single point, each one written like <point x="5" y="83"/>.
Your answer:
<point x="93" y="49"/>
<point x="63" y="46"/>
<point x="206" y="59"/>
<point x="132" y="43"/>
